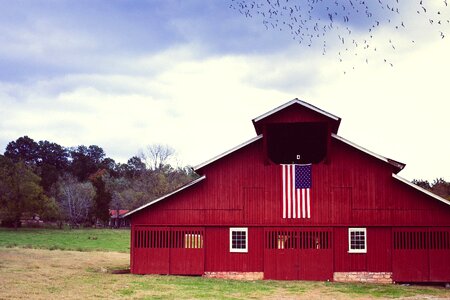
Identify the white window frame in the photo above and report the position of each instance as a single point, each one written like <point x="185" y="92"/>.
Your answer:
<point x="354" y="229"/>
<point x="239" y="229"/>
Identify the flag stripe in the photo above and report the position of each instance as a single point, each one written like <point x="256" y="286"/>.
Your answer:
<point x="289" y="182"/>
<point x="307" y="203"/>
<point x="283" y="170"/>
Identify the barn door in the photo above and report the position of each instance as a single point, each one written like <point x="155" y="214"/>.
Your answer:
<point x="298" y="254"/>
<point x="187" y="252"/>
<point x="151" y="250"/>
<point x="316" y="254"/>
<point x="439" y="254"/>
<point x="410" y="255"/>
<point x="421" y="254"/>
<point x="165" y="250"/>
<point x="281" y="259"/>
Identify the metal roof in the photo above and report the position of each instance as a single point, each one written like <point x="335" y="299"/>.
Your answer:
<point x="165" y="196"/>
<point x="421" y="189"/>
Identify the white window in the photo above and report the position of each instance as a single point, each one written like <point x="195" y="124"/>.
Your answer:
<point x="357" y="240"/>
<point x="238" y="240"/>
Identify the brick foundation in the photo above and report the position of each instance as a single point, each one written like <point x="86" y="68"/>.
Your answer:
<point x="235" y="275"/>
<point x="372" y="277"/>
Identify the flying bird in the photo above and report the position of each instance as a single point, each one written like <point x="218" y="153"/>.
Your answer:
<point x="330" y="25"/>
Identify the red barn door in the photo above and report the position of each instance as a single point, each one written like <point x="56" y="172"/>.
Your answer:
<point x="298" y="254"/>
<point x="187" y="254"/>
<point x="165" y="250"/>
<point x="421" y="254"/>
<point x="151" y="250"/>
<point x="439" y="254"/>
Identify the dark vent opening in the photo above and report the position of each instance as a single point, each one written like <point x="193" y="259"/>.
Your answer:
<point x="286" y="143"/>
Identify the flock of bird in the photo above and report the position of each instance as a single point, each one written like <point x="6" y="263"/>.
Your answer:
<point x="349" y="27"/>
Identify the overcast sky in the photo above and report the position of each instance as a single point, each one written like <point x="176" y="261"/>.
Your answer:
<point x="193" y="74"/>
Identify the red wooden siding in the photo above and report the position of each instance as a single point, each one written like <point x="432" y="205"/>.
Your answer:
<point x="421" y="254"/>
<point x="220" y="259"/>
<point x="377" y="258"/>
<point x="298" y="254"/>
<point x="164" y="250"/>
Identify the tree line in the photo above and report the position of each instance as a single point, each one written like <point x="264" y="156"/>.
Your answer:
<point x="79" y="185"/>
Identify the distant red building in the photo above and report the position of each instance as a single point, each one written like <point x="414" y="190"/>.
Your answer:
<point x="116" y="218"/>
<point x="297" y="201"/>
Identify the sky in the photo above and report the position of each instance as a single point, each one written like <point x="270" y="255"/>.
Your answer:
<point x="193" y="74"/>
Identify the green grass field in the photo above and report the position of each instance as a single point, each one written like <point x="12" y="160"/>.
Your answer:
<point x="117" y="240"/>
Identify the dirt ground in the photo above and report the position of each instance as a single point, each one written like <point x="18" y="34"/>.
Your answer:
<point x="55" y="274"/>
<point x="45" y="274"/>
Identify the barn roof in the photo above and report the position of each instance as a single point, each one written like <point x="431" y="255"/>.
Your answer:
<point x="421" y="189"/>
<point x="166" y="195"/>
<point x="398" y="166"/>
<point x="113" y="212"/>
<point x="334" y="119"/>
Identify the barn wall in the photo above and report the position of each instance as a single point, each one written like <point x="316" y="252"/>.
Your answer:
<point x="220" y="259"/>
<point x="352" y="189"/>
<point x="377" y="258"/>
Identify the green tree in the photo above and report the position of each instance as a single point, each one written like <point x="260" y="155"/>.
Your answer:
<point x="102" y="197"/>
<point x="53" y="161"/>
<point x="20" y="191"/>
<point x="88" y="160"/>
<point x="48" y="160"/>
<point x="23" y="149"/>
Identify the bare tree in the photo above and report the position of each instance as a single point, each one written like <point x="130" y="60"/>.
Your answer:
<point x="75" y="199"/>
<point x="157" y="156"/>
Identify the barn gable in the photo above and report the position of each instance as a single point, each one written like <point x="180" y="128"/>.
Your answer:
<point x="296" y="111"/>
<point x="354" y="214"/>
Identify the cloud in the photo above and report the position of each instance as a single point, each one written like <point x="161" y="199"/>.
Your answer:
<point x="184" y="103"/>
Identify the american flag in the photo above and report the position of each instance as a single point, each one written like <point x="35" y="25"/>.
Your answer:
<point x="296" y="191"/>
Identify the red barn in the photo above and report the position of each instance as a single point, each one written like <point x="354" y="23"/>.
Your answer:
<point x="297" y="201"/>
